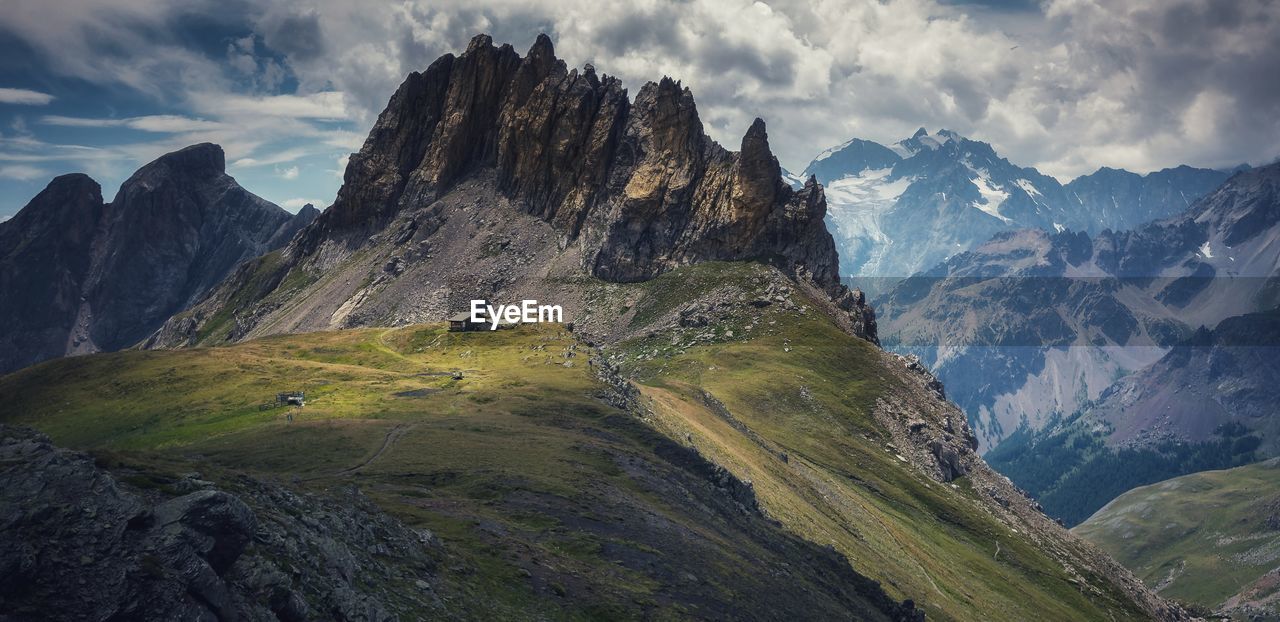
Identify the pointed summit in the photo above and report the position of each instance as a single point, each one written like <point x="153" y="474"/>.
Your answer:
<point x="950" y="135"/>
<point x="756" y="137"/>
<point x="542" y="48"/>
<point x="70" y="207"/>
<point x="755" y="160"/>
<point x="851" y="159"/>
<point x="478" y="42"/>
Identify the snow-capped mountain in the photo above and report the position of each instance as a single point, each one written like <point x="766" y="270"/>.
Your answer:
<point x="1031" y="324"/>
<point x="899" y="209"/>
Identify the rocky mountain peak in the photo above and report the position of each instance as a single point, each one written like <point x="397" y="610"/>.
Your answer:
<point x="1241" y="208"/>
<point x="755" y="153"/>
<point x="627" y="190"/>
<point x="758" y="176"/>
<point x="643" y="177"/>
<point x="56" y="227"/>
<point x="542" y="51"/>
<point x="71" y="201"/>
<point x="72" y="182"/>
<point x="478" y="42"/>
<point x="667" y="112"/>
<point x="81" y="275"/>
<point x="201" y="160"/>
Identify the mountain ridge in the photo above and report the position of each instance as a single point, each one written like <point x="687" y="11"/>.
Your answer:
<point x="899" y="209"/>
<point x="1049" y="294"/>
<point x="1207" y="403"/>
<point x="82" y="275"/>
<point x="474" y="139"/>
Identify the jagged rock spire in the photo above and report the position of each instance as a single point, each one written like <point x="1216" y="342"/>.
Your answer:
<point x="654" y="191"/>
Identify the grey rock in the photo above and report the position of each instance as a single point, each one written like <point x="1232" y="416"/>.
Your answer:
<point x="627" y="189"/>
<point x="76" y="545"/>
<point x="82" y="276"/>
<point x="948" y="458"/>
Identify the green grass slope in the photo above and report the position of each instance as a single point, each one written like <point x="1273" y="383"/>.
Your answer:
<point x="788" y="407"/>
<point x="1212" y="538"/>
<point x="553" y="503"/>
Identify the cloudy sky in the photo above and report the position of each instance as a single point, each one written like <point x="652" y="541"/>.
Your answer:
<point x="289" y="87"/>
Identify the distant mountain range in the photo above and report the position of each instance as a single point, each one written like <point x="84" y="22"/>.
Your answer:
<point x="896" y="210"/>
<point x="1031" y="323"/>
<point x="80" y="275"/>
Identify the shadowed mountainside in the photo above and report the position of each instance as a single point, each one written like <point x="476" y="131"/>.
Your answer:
<point x="82" y="276"/>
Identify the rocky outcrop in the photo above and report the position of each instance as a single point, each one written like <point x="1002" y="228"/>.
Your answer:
<point x="1221" y="377"/>
<point x="83" y="276"/>
<point x="932" y="435"/>
<point x="640" y="183"/>
<point x="620" y="190"/>
<point x="75" y="544"/>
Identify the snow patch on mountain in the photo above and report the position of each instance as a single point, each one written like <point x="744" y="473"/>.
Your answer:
<point x="855" y="204"/>
<point x="902" y="149"/>
<point x="921" y="141"/>
<point x="870" y="186"/>
<point x="1028" y="188"/>
<point x="992" y="195"/>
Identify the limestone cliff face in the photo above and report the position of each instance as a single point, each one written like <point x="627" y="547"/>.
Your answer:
<point x="640" y="184"/>
<point x="80" y="275"/>
<point x="490" y="175"/>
